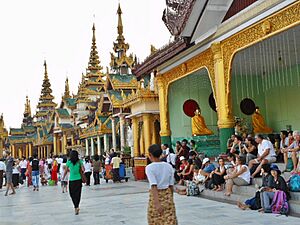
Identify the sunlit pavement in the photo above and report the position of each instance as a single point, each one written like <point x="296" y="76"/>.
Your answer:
<point x="124" y="203"/>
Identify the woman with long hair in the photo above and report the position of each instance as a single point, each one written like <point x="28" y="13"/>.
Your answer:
<point x="75" y="167"/>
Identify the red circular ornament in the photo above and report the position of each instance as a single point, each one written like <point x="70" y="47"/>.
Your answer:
<point x="189" y="107"/>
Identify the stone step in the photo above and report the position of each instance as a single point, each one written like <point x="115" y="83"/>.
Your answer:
<point x="219" y="196"/>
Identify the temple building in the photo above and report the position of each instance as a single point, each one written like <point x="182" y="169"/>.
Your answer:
<point x="3" y="136"/>
<point x="232" y="67"/>
<point x="21" y="139"/>
<point x="120" y="83"/>
<point x="94" y="121"/>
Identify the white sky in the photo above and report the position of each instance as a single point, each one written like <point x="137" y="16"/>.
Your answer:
<point x="60" y="32"/>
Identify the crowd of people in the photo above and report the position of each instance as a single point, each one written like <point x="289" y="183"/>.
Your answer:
<point x="246" y="158"/>
<point x="69" y="170"/>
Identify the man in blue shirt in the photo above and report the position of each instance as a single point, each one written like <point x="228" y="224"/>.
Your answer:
<point x="207" y="167"/>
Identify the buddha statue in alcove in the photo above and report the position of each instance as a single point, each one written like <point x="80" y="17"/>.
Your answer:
<point x="258" y="123"/>
<point x="199" y="127"/>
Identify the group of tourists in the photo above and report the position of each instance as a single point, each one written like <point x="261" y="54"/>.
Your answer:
<point x="247" y="157"/>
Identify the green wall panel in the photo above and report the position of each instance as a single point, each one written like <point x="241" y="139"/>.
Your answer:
<point x="195" y="86"/>
<point x="275" y="93"/>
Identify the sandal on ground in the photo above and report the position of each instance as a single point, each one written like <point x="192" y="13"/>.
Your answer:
<point x="227" y="194"/>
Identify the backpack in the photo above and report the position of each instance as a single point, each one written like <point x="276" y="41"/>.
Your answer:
<point x="294" y="183"/>
<point x="192" y="189"/>
<point x="280" y="204"/>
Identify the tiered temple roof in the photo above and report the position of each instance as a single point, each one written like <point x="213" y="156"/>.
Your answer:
<point x="93" y="82"/>
<point x="46" y="105"/>
<point x="121" y="82"/>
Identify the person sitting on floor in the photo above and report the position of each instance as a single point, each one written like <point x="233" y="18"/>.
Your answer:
<point x="293" y="151"/>
<point x="207" y="167"/>
<point x="266" y="154"/>
<point x="237" y="145"/>
<point x="196" y="160"/>
<point x="217" y="176"/>
<point x="230" y="143"/>
<point x="276" y="183"/>
<point x="187" y="173"/>
<point x="249" y="149"/>
<point x="240" y="176"/>
<point x="255" y="202"/>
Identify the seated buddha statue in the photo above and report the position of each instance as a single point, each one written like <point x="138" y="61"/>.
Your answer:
<point x="258" y="123"/>
<point x="198" y="125"/>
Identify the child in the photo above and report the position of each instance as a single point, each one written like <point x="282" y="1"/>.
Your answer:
<point x="64" y="179"/>
<point x="161" y="208"/>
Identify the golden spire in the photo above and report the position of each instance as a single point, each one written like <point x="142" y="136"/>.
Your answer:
<point x="67" y="89"/>
<point x="27" y="111"/>
<point x="121" y="62"/>
<point x="94" y="62"/>
<point x="120" y="24"/>
<point x="46" y="98"/>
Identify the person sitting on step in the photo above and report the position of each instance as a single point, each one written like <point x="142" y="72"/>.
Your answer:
<point x="277" y="182"/>
<point x="217" y="176"/>
<point x="293" y="151"/>
<point x="240" y="176"/>
<point x="266" y="154"/>
<point x="254" y="203"/>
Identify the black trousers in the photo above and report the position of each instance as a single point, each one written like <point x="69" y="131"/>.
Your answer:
<point x="75" y="191"/>
<point x="88" y="177"/>
<point x="96" y="178"/>
<point x="217" y="179"/>
<point x="15" y="179"/>
<point x="116" y="176"/>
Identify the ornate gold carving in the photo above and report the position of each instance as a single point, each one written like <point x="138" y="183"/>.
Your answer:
<point x="266" y="27"/>
<point x="280" y="21"/>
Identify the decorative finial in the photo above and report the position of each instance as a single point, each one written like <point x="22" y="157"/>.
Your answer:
<point x="120" y="23"/>
<point x="67" y="89"/>
<point x="45" y="66"/>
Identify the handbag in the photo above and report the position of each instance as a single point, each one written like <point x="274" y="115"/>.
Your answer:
<point x="83" y="177"/>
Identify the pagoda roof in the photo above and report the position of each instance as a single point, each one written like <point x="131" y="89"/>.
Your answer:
<point x="62" y="113"/>
<point x="71" y="101"/>
<point x="122" y="81"/>
<point x="16" y="131"/>
<point x="66" y="125"/>
<point x="29" y="129"/>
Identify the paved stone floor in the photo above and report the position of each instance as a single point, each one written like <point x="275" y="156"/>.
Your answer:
<point x="113" y="204"/>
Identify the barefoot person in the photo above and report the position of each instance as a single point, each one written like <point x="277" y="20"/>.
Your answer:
<point x="8" y="172"/>
<point x="161" y="208"/>
<point x="75" y="166"/>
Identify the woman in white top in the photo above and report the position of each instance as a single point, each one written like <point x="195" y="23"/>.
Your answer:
<point x="161" y="207"/>
<point x="240" y="176"/>
<point x="87" y="170"/>
<point x="171" y="158"/>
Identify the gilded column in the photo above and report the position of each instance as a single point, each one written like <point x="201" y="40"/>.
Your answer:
<point x="106" y="145"/>
<point x="86" y="147"/>
<point x="39" y="152"/>
<point x="113" y="129"/>
<point x="223" y="101"/>
<point x="147" y="132"/>
<point x="27" y="151"/>
<point x="20" y="153"/>
<point x="122" y="131"/>
<point x="135" y="131"/>
<point x="64" y="144"/>
<point x="54" y="144"/>
<point x="30" y="149"/>
<point x="165" y="132"/>
<point x="92" y="147"/>
<point x="98" y="146"/>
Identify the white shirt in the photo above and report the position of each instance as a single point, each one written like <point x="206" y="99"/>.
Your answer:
<point x="59" y="160"/>
<point x="171" y="158"/>
<point x="23" y="164"/>
<point x="49" y="161"/>
<point x="246" y="175"/>
<point x="107" y="159"/>
<point x="286" y="143"/>
<point x="266" y="145"/>
<point x="15" y="170"/>
<point x="87" y="167"/>
<point x="2" y="166"/>
<point x="160" y="174"/>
